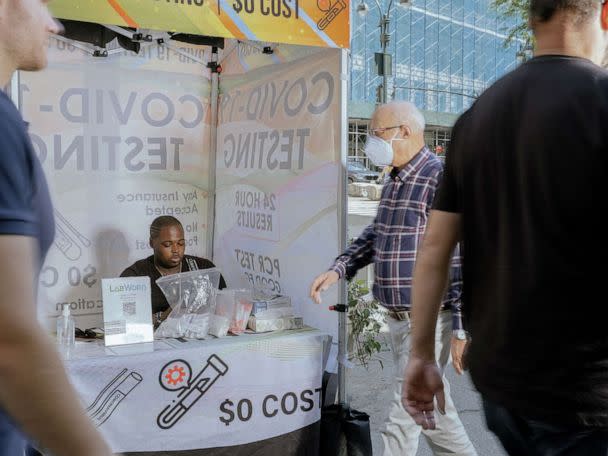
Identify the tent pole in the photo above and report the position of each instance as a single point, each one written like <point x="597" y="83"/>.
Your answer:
<point x="215" y="90"/>
<point x="343" y="394"/>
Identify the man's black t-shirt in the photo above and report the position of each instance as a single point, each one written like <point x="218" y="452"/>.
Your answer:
<point x="527" y="170"/>
<point x="146" y="267"/>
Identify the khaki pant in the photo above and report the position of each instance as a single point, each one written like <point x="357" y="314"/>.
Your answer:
<point x="401" y="433"/>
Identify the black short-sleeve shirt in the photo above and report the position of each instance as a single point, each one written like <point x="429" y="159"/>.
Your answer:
<point x="25" y="204"/>
<point x="527" y="170"/>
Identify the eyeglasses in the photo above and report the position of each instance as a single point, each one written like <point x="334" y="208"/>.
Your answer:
<point x="379" y="131"/>
<point x="90" y="333"/>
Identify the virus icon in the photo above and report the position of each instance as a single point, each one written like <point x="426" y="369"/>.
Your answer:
<point x="175" y="375"/>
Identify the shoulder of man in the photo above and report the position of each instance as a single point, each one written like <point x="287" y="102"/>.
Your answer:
<point x="13" y="133"/>
<point x="7" y="107"/>
<point x="460" y="126"/>
<point x="140" y="268"/>
<point x="17" y="184"/>
<point x="10" y="114"/>
<point x="433" y="166"/>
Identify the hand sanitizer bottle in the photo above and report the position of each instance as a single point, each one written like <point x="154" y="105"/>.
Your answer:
<point x="66" y="338"/>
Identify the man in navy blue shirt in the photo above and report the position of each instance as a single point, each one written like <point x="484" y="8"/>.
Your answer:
<point x="35" y="394"/>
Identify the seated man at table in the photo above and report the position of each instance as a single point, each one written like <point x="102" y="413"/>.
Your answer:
<point x="167" y="241"/>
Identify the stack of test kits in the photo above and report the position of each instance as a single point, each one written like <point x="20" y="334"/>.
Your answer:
<point x="273" y="314"/>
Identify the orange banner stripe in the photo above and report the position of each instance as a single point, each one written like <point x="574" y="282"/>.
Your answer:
<point x="233" y="29"/>
<point x="130" y="22"/>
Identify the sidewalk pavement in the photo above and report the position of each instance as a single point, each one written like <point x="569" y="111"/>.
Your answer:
<point x="370" y="391"/>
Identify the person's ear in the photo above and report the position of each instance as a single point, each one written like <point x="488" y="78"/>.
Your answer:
<point x="151" y="244"/>
<point x="406" y="131"/>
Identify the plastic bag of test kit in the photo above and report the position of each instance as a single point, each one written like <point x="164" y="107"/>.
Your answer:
<point x="191" y="296"/>
<point x="236" y="305"/>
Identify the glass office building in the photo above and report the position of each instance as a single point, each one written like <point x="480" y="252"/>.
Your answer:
<point x="445" y="54"/>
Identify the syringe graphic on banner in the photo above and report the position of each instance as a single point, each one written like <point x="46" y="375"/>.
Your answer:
<point x="67" y="237"/>
<point x="102" y="394"/>
<point x="332" y="9"/>
<point x="175" y="375"/>
<point x="112" y="395"/>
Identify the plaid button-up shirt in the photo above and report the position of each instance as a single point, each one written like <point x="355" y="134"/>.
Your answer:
<point x="392" y="240"/>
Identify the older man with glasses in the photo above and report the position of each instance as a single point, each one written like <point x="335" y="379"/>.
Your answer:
<point x="396" y="138"/>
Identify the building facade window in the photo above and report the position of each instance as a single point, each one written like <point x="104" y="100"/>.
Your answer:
<point x="445" y="53"/>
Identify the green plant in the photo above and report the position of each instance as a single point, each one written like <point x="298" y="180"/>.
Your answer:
<point x="364" y="317"/>
<point x="518" y="10"/>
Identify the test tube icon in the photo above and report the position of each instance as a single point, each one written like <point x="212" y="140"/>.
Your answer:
<point x="196" y="389"/>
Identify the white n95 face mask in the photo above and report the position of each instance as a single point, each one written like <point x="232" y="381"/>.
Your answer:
<point x="379" y="151"/>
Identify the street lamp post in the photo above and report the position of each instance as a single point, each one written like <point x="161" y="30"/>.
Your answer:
<point x="383" y="59"/>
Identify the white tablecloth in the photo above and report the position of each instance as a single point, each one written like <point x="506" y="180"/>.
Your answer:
<point x="173" y="395"/>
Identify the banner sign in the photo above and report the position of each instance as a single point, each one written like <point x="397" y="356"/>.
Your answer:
<point x="323" y="23"/>
<point x="191" y="395"/>
<point x="122" y="140"/>
<point x="278" y="167"/>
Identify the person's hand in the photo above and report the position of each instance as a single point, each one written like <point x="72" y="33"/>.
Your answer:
<point x="421" y="383"/>
<point x="459" y="350"/>
<point x="322" y="283"/>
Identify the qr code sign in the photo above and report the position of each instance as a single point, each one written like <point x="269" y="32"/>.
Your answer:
<point x="129" y="308"/>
